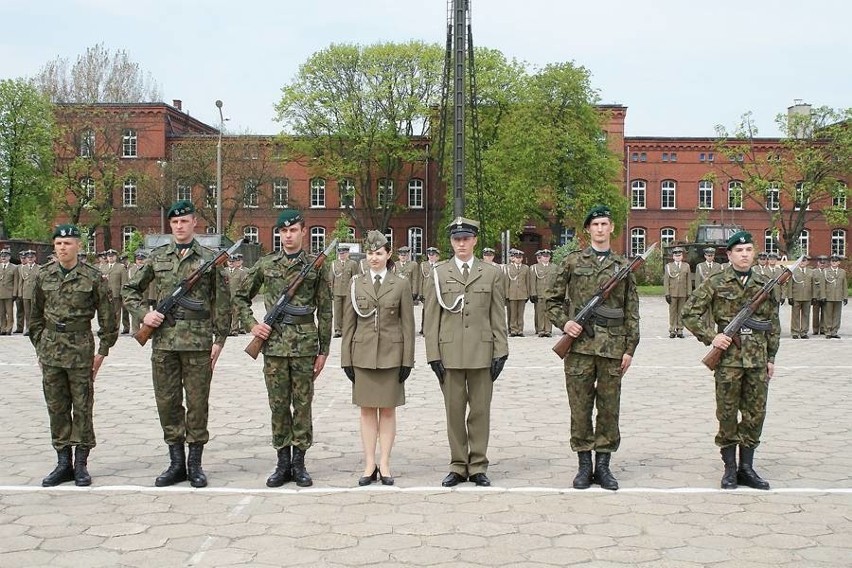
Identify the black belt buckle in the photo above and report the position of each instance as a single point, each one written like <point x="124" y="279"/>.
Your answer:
<point x="60" y="326"/>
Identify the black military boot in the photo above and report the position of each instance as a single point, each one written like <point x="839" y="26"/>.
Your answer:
<point x="193" y="465"/>
<point x="81" y="462"/>
<point x="603" y="476"/>
<point x="63" y="471"/>
<point x="282" y="473"/>
<point x="176" y="472"/>
<point x="746" y="474"/>
<point x="300" y="475"/>
<point x="729" y="456"/>
<point x="583" y="479"/>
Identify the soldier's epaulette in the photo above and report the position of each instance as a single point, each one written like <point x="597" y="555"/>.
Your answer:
<point x="442" y="262"/>
<point x="161" y="248"/>
<point x="89" y="270"/>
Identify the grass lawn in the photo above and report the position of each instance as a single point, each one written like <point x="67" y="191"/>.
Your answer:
<point x="650" y="290"/>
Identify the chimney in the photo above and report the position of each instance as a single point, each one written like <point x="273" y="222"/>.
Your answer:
<point x="177" y="103"/>
<point x="797" y="119"/>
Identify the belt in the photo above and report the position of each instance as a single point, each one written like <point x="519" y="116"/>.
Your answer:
<point x="68" y="326"/>
<point x="290" y="319"/>
<point x="607" y="322"/>
<point x="191" y="316"/>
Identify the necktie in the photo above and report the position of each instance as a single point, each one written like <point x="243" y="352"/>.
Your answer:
<point x="465" y="271"/>
<point x="378" y="283"/>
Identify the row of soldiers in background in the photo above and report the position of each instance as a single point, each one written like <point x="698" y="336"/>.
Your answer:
<point x="16" y="291"/>
<point x="821" y="289"/>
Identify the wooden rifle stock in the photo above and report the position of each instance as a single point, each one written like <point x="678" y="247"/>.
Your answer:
<point x="254" y="346"/>
<point x="563" y="346"/>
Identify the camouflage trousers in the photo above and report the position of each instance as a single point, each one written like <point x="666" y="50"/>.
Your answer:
<point x="290" y="387"/>
<point x="176" y="372"/>
<point x="70" y="396"/>
<point x="593" y="382"/>
<point x="740" y="392"/>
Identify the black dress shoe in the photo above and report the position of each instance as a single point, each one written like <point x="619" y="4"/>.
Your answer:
<point x="386" y="479"/>
<point x="453" y="479"/>
<point x="671" y="335"/>
<point x="795" y="337"/>
<point x="680" y="335"/>
<point x="480" y="479"/>
<point x="804" y="337"/>
<point x="368" y="479"/>
<point x="337" y="334"/>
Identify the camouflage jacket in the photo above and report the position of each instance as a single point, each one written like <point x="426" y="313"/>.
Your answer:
<point x="72" y="300"/>
<point x="166" y="270"/>
<point x="724" y="295"/>
<point x="575" y="281"/>
<point x="311" y="334"/>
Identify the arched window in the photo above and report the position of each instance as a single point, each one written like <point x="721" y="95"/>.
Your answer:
<point x="126" y="234"/>
<point x="129" y="192"/>
<point x="638" y="194"/>
<point x="769" y="243"/>
<point x="129" y="143"/>
<point x="735" y="194"/>
<point x="317" y="192"/>
<point x="773" y="196"/>
<point x="667" y="235"/>
<point x="805" y="242"/>
<point x="184" y="191"/>
<point x="347" y="193"/>
<point x="838" y="198"/>
<point x="705" y="194"/>
<point x="280" y="192"/>
<point x="389" y="237"/>
<point x="667" y="194"/>
<point x="385" y="196"/>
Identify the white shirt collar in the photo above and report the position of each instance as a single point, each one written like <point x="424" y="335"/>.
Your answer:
<point x="459" y="263"/>
<point x="381" y="275"/>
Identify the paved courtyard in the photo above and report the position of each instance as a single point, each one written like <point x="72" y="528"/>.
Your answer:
<point x="668" y="512"/>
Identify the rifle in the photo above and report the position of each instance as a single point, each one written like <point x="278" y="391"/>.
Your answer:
<point x="743" y="317"/>
<point x="282" y="307"/>
<point x="179" y="296"/>
<point x="595" y="304"/>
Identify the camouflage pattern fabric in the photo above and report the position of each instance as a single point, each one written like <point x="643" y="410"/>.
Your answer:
<point x="593" y="382"/>
<point x="176" y="372"/>
<point x="289" y="383"/>
<point x="70" y="396"/>
<point x="740" y="391"/>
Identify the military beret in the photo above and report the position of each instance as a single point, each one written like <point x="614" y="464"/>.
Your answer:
<point x="595" y="212"/>
<point x="677" y="250"/>
<point x="463" y="227"/>
<point x="488" y="250"/>
<point x="289" y="217"/>
<point x="432" y="250"/>
<point x="739" y="238"/>
<point x="66" y="230"/>
<point x="181" y="208"/>
<point x="404" y="250"/>
<point x="710" y="250"/>
<point x="375" y="240"/>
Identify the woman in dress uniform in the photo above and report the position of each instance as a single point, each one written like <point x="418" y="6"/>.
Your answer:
<point x="377" y="352"/>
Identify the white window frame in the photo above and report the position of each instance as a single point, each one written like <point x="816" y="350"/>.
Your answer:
<point x="346" y="189"/>
<point x="129" y="193"/>
<point x="318" y="194"/>
<point x="280" y="193"/>
<point x="317" y="239"/>
<point x="638" y="241"/>
<point x="385" y="191"/>
<point x="127" y="234"/>
<point x="705" y="189"/>
<point x="800" y="197"/>
<point x="415" y="239"/>
<point x="251" y="194"/>
<point x="735" y="188"/>
<point x="838" y="242"/>
<point x="129" y="143"/>
<point x="276" y="241"/>
<point x="668" y="188"/>
<point x="805" y="242"/>
<point x="87" y="143"/>
<point x="638" y="194"/>
<point x="87" y="184"/>
<point x="183" y="191"/>
<point x="415" y="194"/>
<point x="668" y="235"/>
<point x="389" y="237"/>
<point x="211" y="195"/>
<point x="769" y="244"/>
<point x="251" y="233"/>
<point x="773" y="196"/>
<point x="838" y="199"/>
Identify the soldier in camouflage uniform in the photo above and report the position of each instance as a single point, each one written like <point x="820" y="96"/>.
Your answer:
<point x="598" y="360"/>
<point x="296" y="348"/>
<point x="742" y="376"/>
<point x="187" y="343"/>
<point x="66" y="296"/>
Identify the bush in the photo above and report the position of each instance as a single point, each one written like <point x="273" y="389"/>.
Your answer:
<point x="651" y="273"/>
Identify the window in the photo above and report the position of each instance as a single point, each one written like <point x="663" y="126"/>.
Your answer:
<point x="637" y="194"/>
<point x="773" y="196"/>
<point x="805" y="242"/>
<point x="735" y="195"/>
<point x="665" y="156"/>
<point x="87" y="144"/>
<point x="634" y="157"/>
<point x="415" y="240"/>
<point x="702" y="157"/>
<point x="737" y="158"/>
<point x="705" y="195"/>
<point x="637" y="241"/>
<point x="389" y="237"/>
<point x="838" y="198"/>
<point x="317" y="238"/>
<point x="126" y="234"/>
<point x="803" y="196"/>
<point x="128" y="143"/>
<point x="251" y="233"/>
<point x="643" y="157"/>
<point x="710" y="157"/>
<point x="673" y="157"/>
<point x="87" y="185"/>
<point x="667" y="194"/>
<point x="250" y="193"/>
<point x="280" y="192"/>
<point x="667" y="236"/>
<point x="415" y="194"/>
<point x="769" y="242"/>
<point x="129" y="193"/>
<point x="88" y="239"/>
<point x="184" y="191"/>
<point x="318" y="195"/>
<point x="838" y="242"/>
<point x="276" y="241"/>
<point x="211" y="195"/>
<point x="385" y="196"/>
<point x="210" y="230"/>
<point x="566" y="235"/>
<point x="347" y="193"/>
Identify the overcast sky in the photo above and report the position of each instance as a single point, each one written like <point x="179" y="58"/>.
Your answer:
<point x="680" y="67"/>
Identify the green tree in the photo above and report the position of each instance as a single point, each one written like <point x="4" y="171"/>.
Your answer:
<point x="799" y="178"/>
<point x="354" y="112"/>
<point x="26" y="160"/>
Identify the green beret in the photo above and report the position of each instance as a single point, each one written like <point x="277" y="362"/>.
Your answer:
<point x="739" y="238"/>
<point x="375" y="240"/>
<point x="181" y="208"/>
<point x="289" y="217"/>
<point x="66" y="230"/>
<point x="595" y="212"/>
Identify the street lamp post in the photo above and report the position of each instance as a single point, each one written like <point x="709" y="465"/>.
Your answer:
<point x="219" y="170"/>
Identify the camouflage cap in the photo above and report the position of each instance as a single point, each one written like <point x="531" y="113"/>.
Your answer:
<point x="596" y="212"/>
<point x="181" y="208"/>
<point x="67" y="230"/>
<point x="375" y="240"/>
<point x="739" y="238"/>
<point x="289" y="217"/>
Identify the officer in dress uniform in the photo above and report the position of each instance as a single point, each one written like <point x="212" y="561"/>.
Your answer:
<point x="407" y="268"/>
<point x="835" y="291"/>
<point x="377" y="352"/>
<point x="466" y="346"/>
<point x="139" y="259"/>
<point x="602" y="353"/>
<point x="703" y="271"/>
<point x="342" y="270"/>
<point x="818" y="304"/>
<point x="19" y="300"/>
<point x="517" y="291"/>
<point x="186" y="344"/>
<point x="296" y="348"/>
<point x="66" y="296"/>
<point x="800" y="293"/>
<point x="677" y="283"/>
<point x="433" y="256"/>
<point x="488" y="254"/>
<point x="115" y="275"/>
<point x="27" y="272"/>
<point x="540" y="274"/>
<point x="743" y="374"/>
<point x="8" y="291"/>
<point x="236" y="275"/>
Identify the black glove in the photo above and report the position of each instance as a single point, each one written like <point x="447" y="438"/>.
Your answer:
<point x="403" y="373"/>
<point x="845" y="301"/>
<point x="420" y="297"/>
<point x="814" y="302"/>
<point x="438" y="369"/>
<point x="790" y="301"/>
<point x="497" y="366"/>
<point x="533" y="299"/>
<point x="14" y="298"/>
<point x="350" y="373"/>
<point x="668" y="299"/>
<point x="414" y="297"/>
<point x="822" y="302"/>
